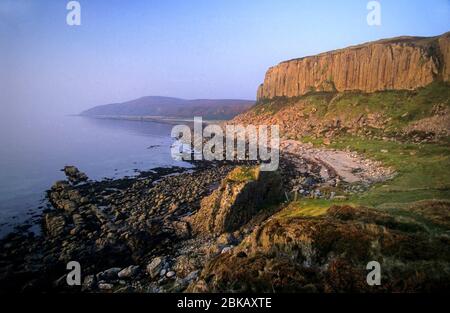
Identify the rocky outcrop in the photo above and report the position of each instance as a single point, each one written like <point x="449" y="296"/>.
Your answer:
<point x="240" y="196"/>
<point x="392" y="64"/>
<point x="444" y="48"/>
<point x="117" y="229"/>
<point x="74" y="175"/>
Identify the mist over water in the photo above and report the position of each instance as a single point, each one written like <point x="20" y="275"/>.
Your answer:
<point x="33" y="150"/>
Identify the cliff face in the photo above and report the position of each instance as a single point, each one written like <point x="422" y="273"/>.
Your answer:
<point x="392" y="64"/>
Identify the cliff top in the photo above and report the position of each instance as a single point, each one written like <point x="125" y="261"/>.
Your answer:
<point x="406" y="40"/>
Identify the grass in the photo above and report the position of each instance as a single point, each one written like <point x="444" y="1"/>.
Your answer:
<point x="243" y="174"/>
<point x="422" y="174"/>
<point x="396" y="108"/>
<point x="308" y="208"/>
<point x="422" y="169"/>
<point x="316" y="100"/>
<point x="401" y="107"/>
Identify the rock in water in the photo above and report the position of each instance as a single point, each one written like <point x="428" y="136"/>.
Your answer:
<point x="241" y="195"/>
<point x="74" y="175"/>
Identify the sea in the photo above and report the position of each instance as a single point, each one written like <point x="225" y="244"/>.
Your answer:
<point x="34" y="150"/>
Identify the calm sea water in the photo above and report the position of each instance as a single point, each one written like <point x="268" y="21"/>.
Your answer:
<point x="33" y="151"/>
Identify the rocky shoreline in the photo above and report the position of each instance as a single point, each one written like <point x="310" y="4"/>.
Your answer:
<point x="157" y="231"/>
<point x="101" y="224"/>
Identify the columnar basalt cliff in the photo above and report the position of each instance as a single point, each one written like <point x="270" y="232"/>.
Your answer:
<point x="392" y="64"/>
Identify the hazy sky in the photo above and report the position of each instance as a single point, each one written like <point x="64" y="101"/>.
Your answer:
<point x="190" y="48"/>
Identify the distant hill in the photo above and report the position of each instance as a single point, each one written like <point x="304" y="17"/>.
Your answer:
<point x="221" y="109"/>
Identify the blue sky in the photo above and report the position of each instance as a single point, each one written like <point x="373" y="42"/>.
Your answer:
<point x="190" y="49"/>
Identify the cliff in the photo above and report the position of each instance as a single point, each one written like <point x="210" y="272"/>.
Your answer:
<point x="403" y="63"/>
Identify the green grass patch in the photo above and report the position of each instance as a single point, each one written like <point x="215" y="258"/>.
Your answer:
<point x="309" y="207"/>
<point x="243" y="174"/>
<point x="317" y="103"/>
<point x="422" y="173"/>
<point x="398" y="107"/>
<point x="422" y="170"/>
<point x="401" y="106"/>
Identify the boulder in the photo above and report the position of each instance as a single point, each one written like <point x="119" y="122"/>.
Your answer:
<point x="109" y="274"/>
<point x="155" y="267"/>
<point x="129" y="272"/>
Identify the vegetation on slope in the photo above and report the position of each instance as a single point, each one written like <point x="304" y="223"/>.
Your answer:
<point x="423" y="114"/>
<point x="421" y="175"/>
<point x="324" y="245"/>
